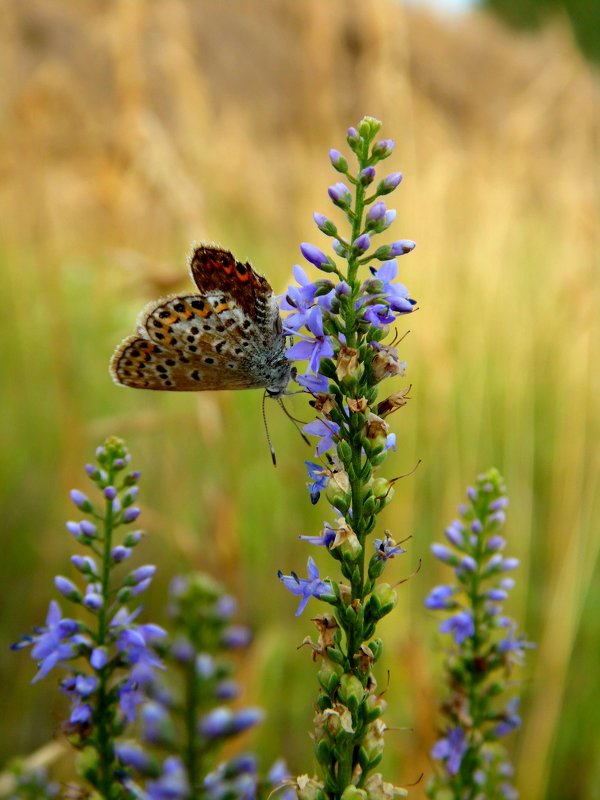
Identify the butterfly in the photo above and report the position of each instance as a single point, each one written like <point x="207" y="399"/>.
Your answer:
<point x="228" y="335"/>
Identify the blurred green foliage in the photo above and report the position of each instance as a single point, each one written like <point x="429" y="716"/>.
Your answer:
<point x="583" y="16"/>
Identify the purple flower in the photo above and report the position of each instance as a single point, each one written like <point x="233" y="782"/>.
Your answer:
<point x="461" y="626"/>
<point x="378" y="315"/>
<point x="451" y="749"/>
<point x="386" y="549"/>
<point x="440" y="598"/>
<point x="325" y="430"/>
<point x="172" y="784"/>
<point x="54" y="642"/>
<point x="510" y="719"/>
<point x="325" y="539"/>
<point x="132" y="755"/>
<point x="395" y="294"/>
<point x="319" y="478"/>
<point x="313" y="383"/>
<point x="306" y="588"/>
<point x="315" y="348"/>
<point x="299" y="300"/>
<point x="236" y="636"/>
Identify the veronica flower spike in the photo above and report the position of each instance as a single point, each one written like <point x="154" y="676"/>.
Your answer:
<point x="339" y="325"/>
<point x="482" y="650"/>
<point x="107" y="658"/>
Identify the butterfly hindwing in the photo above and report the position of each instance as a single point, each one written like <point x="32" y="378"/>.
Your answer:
<point x="142" y="364"/>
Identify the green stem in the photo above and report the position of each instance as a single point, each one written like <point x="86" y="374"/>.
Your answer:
<point x="192" y="756"/>
<point x="104" y="715"/>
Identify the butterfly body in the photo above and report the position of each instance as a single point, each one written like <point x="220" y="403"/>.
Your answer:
<point x="228" y="336"/>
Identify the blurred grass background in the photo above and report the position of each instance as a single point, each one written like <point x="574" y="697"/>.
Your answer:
<point x="130" y="129"/>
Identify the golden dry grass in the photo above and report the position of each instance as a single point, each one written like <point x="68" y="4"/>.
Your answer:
<point x="130" y="129"/>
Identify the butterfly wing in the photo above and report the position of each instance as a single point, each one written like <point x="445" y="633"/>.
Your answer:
<point x="227" y="337"/>
<point x="140" y="363"/>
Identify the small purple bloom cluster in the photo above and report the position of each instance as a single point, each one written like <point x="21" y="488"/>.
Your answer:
<point x="485" y="647"/>
<point x="107" y="657"/>
<point x="185" y="712"/>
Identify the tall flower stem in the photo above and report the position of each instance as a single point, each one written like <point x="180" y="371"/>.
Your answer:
<point x="345" y="325"/>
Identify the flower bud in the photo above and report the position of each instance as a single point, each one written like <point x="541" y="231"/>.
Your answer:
<point x="309" y="788"/>
<point x="353" y="138"/>
<point x="325" y="225"/>
<point x="366" y="176"/>
<point x="131" y="514"/>
<point x="381" y="602"/>
<point x="81" y="500"/>
<point x="67" y="588"/>
<point x="383" y="149"/>
<point x="362" y="244"/>
<point x="352" y="792"/>
<point x="389" y="183"/>
<point x="338" y="161"/>
<point x="329" y="675"/>
<point x="351" y="691"/>
<point x="369" y="127"/>
<point x="340" y="195"/>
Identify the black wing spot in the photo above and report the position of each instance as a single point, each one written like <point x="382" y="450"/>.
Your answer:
<point x="209" y="360"/>
<point x="198" y="304"/>
<point x="164" y="314"/>
<point x="196" y="375"/>
<point x="179" y="307"/>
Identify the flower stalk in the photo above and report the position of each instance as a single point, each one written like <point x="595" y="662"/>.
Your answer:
<point x="341" y="327"/>
<point x="484" y="650"/>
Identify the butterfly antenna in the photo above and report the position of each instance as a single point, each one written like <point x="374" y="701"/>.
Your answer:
<point x="268" y="435"/>
<point x="294" y="421"/>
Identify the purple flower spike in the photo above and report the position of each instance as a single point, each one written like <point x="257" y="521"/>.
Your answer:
<point x="110" y="492"/>
<point x="313" y="255"/>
